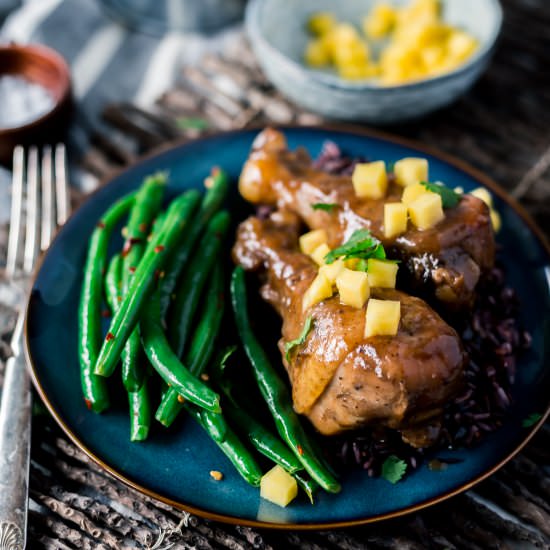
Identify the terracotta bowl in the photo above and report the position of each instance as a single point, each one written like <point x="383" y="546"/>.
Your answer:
<point x="46" y="67"/>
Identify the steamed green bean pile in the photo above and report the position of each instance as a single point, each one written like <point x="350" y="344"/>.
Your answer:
<point x="165" y="291"/>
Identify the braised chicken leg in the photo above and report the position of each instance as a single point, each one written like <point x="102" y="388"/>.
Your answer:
<point x="340" y="379"/>
<point x="444" y="262"/>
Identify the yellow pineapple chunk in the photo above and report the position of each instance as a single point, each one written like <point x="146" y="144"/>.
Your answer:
<point x="426" y="211"/>
<point x="484" y="195"/>
<point x="409" y="171"/>
<point x="331" y="271"/>
<point x="319" y="289"/>
<point x="370" y="179"/>
<point x="380" y="21"/>
<point x="310" y="241"/>
<point x="278" y="486"/>
<point x="495" y="220"/>
<point x="321" y="22"/>
<point x="318" y="255"/>
<point x="353" y="287"/>
<point x="316" y="54"/>
<point x="412" y="192"/>
<point x="395" y="219"/>
<point x="382" y="273"/>
<point x="382" y="317"/>
<point x="460" y="45"/>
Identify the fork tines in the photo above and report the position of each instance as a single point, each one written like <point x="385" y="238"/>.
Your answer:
<point x="40" y="199"/>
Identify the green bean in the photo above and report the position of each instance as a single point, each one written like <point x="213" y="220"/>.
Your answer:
<point x="113" y="285"/>
<point x="235" y="451"/>
<point x="168" y="365"/>
<point x="308" y="485"/>
<point x="186" y="303"/>
<point x="201" y="348"/>
<point x="275" y="392"/>
<point x="211" y="202"/>
<point x="259" y="436"/>
<point x="125" y="319"/>
<point x="89" y="312"/>
<point x="140" y="412"/>
<point x="139" y="401"/>
<point x="147" y="205"/>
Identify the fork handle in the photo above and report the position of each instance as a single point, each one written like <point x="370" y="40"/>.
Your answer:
<point x="15" y="428"/>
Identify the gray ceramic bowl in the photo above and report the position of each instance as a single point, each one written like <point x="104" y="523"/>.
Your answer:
<point x="277" y="31"/>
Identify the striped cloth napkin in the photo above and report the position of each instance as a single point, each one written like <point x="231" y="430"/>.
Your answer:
<point x="109" y="63"/>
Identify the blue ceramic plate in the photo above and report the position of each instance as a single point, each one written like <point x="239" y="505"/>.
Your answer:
<point x="174" y="465"/>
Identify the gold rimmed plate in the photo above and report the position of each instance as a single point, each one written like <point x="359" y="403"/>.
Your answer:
<point x="174" y="465"/>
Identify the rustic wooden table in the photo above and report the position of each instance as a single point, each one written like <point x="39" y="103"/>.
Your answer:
<point x="501" y="127"/>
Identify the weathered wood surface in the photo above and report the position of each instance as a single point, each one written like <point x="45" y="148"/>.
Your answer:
<point x="501" y="127"/>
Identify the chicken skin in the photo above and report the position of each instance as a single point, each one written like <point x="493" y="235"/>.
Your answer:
<point x="341" y="379"/>
<point x="444" y="262"/>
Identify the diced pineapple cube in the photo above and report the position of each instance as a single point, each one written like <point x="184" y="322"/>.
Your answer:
<point x="412" y="192"/>
<point x="319" y="289"/>
<point x="484" y="195"/>
<point x="321" y="22"/>
<point x="395" y="219"/>
<point x="278" y="486"/>
<point x="316" y="54"/>
<point x="426" y="211"/>
<point x="311" y="240"/>
<point x="354" y="53"/>
<point x="382" y="273"/>
<point x="359" y="71"/>
<point x="382" y="317"/>
<point x="409" y="171"/>
<point x="379" y="21"/>
<point x="495" y="220"/>
<point x="331" y="271"/>
<point x="318" y="255"/>
<point x="370" y="179"/>
<point x="460" y="45"/>
<point x="353" y="287"/>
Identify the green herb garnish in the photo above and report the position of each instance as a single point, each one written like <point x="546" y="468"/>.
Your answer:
<point x="192" y="123"/>
<point x="362" y="244"/>
<point x="449" y="198"/>
<point x="289" y="346"/>
<point x="531" y="420"/>
<point x="326" y="206"/>
<point x="393" y="469"/>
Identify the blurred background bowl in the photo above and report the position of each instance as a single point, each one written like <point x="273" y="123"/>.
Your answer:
<point x="277" y="31"/>
<point x="158" y="16"/>
<point x="43" y="66"/>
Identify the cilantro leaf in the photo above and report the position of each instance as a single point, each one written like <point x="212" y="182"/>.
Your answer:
<point x="362" y="244"/>
<point x="393" y="469"/>
<point x="289" y="346"/>
<point x="531" y="420"/>
<point x="192" y="123"/>
<point x="326" y="206"/>
<point x="449" y="198"/>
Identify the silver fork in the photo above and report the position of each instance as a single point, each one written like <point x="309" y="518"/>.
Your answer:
<point x="40" y="184"/>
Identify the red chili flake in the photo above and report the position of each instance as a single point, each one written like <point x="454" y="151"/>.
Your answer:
<point x="157" y="275"/>
<point x="105" y="313"/>
<point x="181" y="399"/>
<point x="159" y="248"/>
<point x="132" y="269"/>
<point x="88" y="404"/>
<point x="142" y="227"/>
<point x="100" y="225"/>
<point x="119" y="298"/>
<point x="128" y="243"/>
<point x="300" y="450"/>
<point x="215" y="171"/>
<point x="110" y="336"/>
